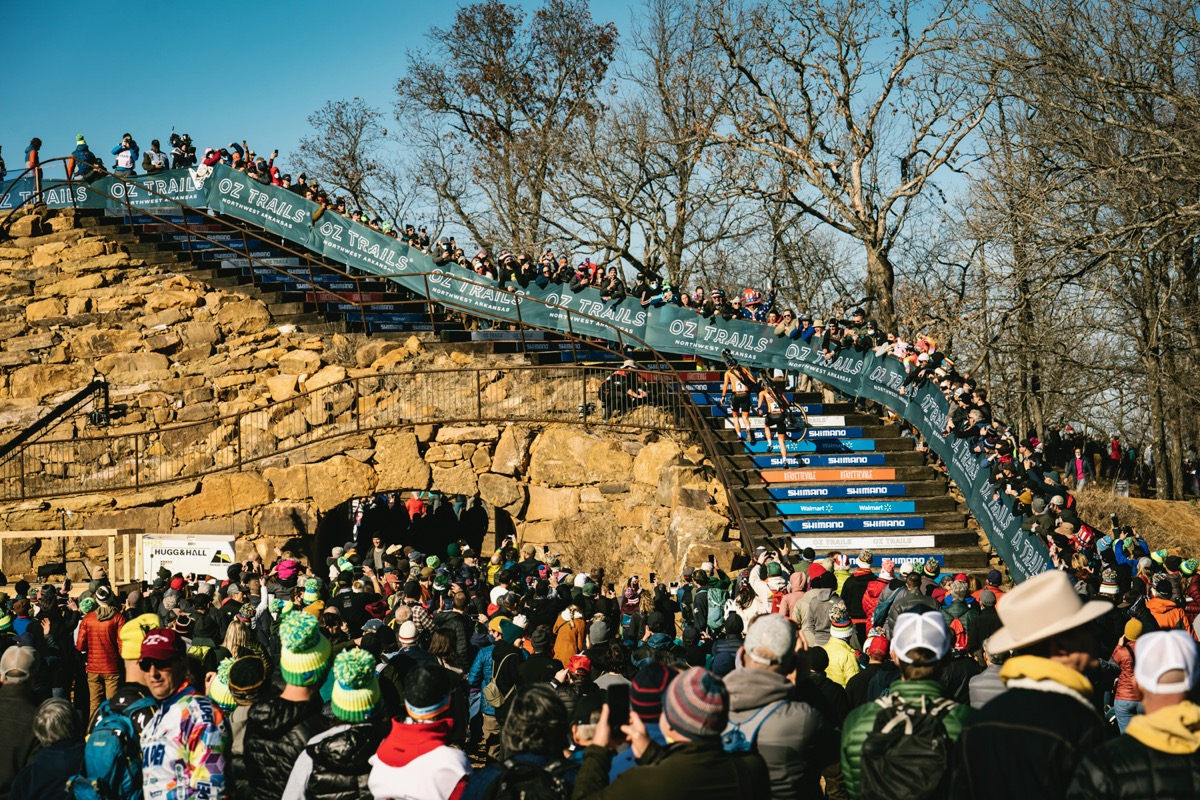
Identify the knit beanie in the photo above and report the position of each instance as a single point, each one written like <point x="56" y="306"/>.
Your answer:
<point x="598" y="632"/>
<point x="427" y="692"/>
<point x="697" y="704"/>
<point x="1108" y="581"/>
<point x="774" y="569"/>
<point x="840" y="625"/>
<point x="865" y="558"/>
<point x="1133" y="629"/>
<point x="246" y="614"/>
<point x="355" y="687"/>
<point x="312" y="591"/>
<point x="129" y="638"/>
<point x="646" y="690"/>
<point x="218" y="690"/>
<point x="987" y="598"/>
<point x="433" y="562"/>
<point x="1190" y="566"/>
<point x="6" y="622"/>
<point x="304" y="655"/>
<point x="509" y="631"/>
<point x="88" y="604"/>
<point x="1159" y="556"/>
<point x="932" y="567"/>
<point x="247" y="677"/>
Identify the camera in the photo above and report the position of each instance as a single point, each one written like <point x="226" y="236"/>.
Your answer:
<point x="175" y="139"/>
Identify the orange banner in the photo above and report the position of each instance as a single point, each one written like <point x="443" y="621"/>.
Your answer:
<point x="806" y="475"/>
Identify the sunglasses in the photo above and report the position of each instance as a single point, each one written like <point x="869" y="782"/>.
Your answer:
<point x="146" y="664"/>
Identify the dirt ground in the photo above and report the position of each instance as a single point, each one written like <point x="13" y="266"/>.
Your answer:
<point x="1173" y="524"/>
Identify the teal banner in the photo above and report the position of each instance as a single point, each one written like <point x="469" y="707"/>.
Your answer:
<point x="142" y="191"/>
<point x="276" y="210"/>
<point x="670" y="329"/>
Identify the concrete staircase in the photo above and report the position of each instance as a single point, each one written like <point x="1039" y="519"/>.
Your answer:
<point x="852" y="482"/>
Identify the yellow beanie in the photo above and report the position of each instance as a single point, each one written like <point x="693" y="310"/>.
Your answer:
<point x="131" y="634"/>
<point x="1133" y="629"/>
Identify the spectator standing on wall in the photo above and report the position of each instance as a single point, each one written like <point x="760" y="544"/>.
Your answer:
<point x="126" y="152"/>
<point x="155" y="160"/>
<point x="33" y="161"/>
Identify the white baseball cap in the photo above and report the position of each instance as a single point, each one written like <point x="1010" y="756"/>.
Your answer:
<point x="926" y="630"/>
<point x="1163" y="652"/>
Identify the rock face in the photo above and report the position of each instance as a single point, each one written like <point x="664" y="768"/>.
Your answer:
<point x="282" y="438"/>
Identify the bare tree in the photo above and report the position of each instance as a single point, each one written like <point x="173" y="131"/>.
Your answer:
<point x="861" y="101"/>
<point x="349" y="152"/>
<point x="649" y="183"/>
<point x="489" y="105"/>
<point x="1101" y="192"/>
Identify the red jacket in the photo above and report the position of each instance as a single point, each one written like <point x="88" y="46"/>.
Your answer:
<point x="871" y="597"/>
<point x="1127" y="689"/>
<point x="1192" y="592"/>
<point x="98" y="641"/>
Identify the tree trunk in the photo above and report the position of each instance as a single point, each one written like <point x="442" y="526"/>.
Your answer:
<point x="1158" y="426"/>
<point x="881" y="283"/>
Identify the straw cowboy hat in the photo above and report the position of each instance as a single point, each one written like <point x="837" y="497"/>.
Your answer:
<point x="1039" y="608"/>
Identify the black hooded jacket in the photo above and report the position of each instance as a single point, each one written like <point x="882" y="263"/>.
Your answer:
<point x="276" y="731"/>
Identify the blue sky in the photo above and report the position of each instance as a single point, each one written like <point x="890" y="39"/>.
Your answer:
<point x="251" y="71"/>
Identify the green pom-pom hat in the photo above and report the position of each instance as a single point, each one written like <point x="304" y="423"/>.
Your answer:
<point x="218" y="690"/>
<point x="304" y="656"/>
<point x="355" y="686"/>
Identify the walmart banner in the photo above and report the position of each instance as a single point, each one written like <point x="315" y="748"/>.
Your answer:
<point x="669" y="329"/>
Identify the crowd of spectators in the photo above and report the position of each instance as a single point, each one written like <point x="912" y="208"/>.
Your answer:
<point x="386" y="670"/>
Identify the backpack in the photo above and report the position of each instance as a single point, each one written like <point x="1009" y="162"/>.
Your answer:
<point x="908" y="747"/>
<point x="492" y="693"/>
<point x="1139" y="612"/>
<point x="776" y="601"/>
<point x="716" y="607"/>
<point x="112" y="756"/>
<point x="741" y="737"/>
<point x="628" y="629"/>
<point x="881" y="610"/>
<point x="960" y="635"/>
<point x="530" y="782"/>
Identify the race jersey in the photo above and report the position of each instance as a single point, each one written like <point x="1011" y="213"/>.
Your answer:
<point x="183" y="749"/>
<point x="739" y="386"/>
<point x="773" y="407"/>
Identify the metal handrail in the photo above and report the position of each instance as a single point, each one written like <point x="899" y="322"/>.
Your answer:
<point x="698" y="425"/>
<point x="97" y="387"/>
<point x="444" y="406"/>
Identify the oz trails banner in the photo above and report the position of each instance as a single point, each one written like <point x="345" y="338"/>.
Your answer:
<point x="669" y="329"/>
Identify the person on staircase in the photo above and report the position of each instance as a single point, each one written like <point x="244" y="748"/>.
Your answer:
<point x="737" y="383"/>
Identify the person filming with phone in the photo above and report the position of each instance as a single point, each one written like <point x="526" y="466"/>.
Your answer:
<point x="693" y="767"/>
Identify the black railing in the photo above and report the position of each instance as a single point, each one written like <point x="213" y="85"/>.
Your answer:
<point x="96" y="390"/>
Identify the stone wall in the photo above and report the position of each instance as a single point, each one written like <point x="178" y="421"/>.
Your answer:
<point x="636" y="503"/>
<point x="176" y="350"/>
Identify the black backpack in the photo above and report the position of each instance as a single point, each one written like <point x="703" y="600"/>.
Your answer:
<point x="908" y="747"/>
<point x="531" y="782"/>
<point x="1142" y="614"/>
